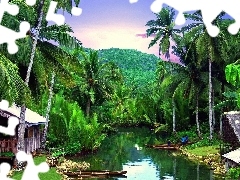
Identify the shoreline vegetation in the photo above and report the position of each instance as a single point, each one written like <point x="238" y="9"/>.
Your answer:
<point x="197" y="152"/>
<point x="212" y="159"/>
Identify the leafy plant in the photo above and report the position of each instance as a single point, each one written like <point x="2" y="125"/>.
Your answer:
<point x="232" y="72"/>
<point x="7" y="154"/>
<point x="233" y="173"/>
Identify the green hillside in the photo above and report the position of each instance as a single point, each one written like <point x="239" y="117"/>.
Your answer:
<point x="138" y="68"/>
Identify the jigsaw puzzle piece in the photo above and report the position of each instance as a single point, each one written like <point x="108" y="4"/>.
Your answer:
<point x="59" y="19"/>
<point x="4" y="170"/>
<point x="234" y="13"/>
<point x="209" y="14"/>
<point x="31" y="171"/>
<point x="4" y="104"/>
<point x="31" y="2"/>
<point x="133" y="1"/>
<point x="12" y="124"/>
<point x="12" y="9"/>
<point x="76" y="11"/>
<point x="9" y="36"/>
<point x="180" y="6"/>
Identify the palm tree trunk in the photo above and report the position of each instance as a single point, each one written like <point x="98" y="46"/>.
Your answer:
<point x="197" y="120"/>
<point x="88" y="107"/>
<point x="221" y="127"/>
<point x="44" y="137"/>
<point x="21" y="127"/>
<point x="214" y="120"/>
<point x="210" y="100"/>
<point x="174" y="115"/>
<point x="198" y="171"/>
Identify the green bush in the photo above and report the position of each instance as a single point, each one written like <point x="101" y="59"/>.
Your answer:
<point x="69" y="128"/>
<point x="233" y="173"/>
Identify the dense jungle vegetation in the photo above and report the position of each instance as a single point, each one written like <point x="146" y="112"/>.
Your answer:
<point x="94" y="91"/>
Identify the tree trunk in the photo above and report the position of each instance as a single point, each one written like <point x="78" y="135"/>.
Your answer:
<point x="174" y="115"/>
<point x="213" y="111"/>
<point x="197" y="120"/>
<point x="210" y="101"/>
<point x="220" y="124"/>
<point x="222" y="110"/>
<point x="88" y="107"/>
<point x="198" y="171"/>
<point x="44" y="137"/>
<point x="21" y="128"/>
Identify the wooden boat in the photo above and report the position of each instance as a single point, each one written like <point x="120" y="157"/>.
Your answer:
<point x="165" y="146"/>
<point x="94" y="177"/>
<point x="98" y="174"/>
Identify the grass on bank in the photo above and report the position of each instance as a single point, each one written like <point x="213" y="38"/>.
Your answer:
<point x="51" y="174"/>
<point x="204" y="151"/>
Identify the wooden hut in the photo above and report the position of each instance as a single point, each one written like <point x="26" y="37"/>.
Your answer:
<point x="231" y="128"/>
<point x="32" y="132"/>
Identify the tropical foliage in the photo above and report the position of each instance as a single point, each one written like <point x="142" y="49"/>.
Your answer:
<point x="98" y="90"/>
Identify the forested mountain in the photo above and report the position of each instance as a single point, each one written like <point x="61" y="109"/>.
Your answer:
<point x="137" y="67"/>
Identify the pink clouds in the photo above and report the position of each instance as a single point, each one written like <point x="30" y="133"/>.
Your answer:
<point x="155" y="49"/>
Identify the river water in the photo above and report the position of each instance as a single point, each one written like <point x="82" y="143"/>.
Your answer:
<point x="126" y="151"/>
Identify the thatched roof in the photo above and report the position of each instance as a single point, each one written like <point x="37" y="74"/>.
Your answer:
<point x="31" y="117"/>
<point x="233" y="155"/>
<point x="234" y="120"/>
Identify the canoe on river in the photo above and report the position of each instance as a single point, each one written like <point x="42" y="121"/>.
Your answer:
<point x="98" y="174"/>
<point x="165" y="146"/>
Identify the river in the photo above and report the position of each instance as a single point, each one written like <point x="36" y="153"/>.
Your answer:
<point x="126" y="151"/>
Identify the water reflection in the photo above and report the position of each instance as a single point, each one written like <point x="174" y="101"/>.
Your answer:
<point x="126" y="151"/>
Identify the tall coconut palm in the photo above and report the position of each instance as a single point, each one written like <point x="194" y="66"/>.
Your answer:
<point x="21" y="129"/>
<point x="95" y="79"/>
<point x="186" y="51"/>
<point x="207" y="48"/>
<point x="163" y="28"/>
<point x="44" y="137"/>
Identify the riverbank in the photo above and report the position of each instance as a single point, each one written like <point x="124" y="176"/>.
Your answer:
<point x="207" y="155"/>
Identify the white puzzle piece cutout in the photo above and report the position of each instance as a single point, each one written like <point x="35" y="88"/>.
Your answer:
<point x="31" y="171"/>
<point x="4" y="104"/>
<point x="12" y="124"/>
<point x="133" y="1"/>
<point x="31" y="2"/>
<point x="4" y="170"/>
<point x="11" y="36"/>
<point x="210" y="10"/>
<point x="59" y="19"/>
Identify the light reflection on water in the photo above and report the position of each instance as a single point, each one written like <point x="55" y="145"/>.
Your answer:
<point x="141" y="170"/>
<point x="127" y="152"/>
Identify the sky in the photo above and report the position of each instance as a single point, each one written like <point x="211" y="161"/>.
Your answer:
<point x="114" y="23"/>
<point x="105" y="24"/>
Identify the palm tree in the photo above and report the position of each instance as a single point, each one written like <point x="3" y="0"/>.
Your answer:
<point x="195" y="82"/>
<point x="163" y="30"/>
<point x="44" y="137"/>
<point x="21" y="128"/>
<point x="207" y="48"/>
<point x="96" y="79"/>
<point x="38" y="30"/>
